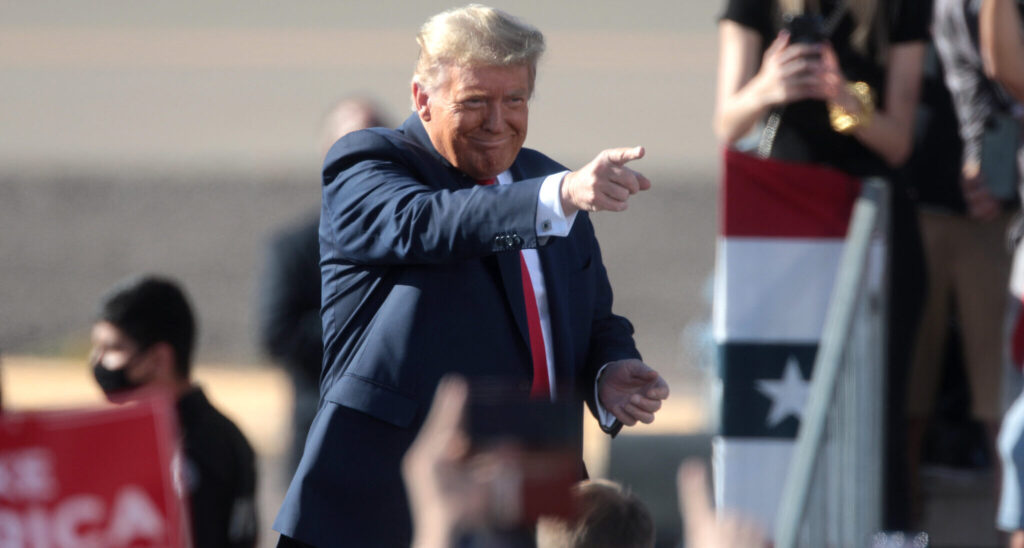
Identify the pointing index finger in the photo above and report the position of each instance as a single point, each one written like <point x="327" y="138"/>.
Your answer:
<point x="620" y="156"/>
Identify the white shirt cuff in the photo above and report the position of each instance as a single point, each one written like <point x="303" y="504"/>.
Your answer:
<point x="603" y="415"/>
<point x="551" y="219"/>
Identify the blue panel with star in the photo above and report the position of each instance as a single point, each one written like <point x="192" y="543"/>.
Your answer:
<point x="764" y="388"/>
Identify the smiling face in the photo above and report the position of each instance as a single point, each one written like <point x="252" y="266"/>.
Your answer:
<point x="477" y="118"/>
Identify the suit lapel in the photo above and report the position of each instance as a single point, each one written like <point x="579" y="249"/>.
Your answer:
<point x="556" y="274"/>
<point x="511" y="277"/>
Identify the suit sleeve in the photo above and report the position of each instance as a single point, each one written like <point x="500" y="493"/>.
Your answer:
<point x="382" y="210"/>
<point x="611" y="335"/>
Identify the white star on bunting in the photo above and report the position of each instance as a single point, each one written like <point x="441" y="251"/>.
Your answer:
<point x="788" y="394"/>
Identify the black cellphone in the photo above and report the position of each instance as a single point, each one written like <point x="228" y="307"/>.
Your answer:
<point x="805" y="29"/>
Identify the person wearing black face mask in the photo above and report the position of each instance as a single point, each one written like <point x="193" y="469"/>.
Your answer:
<point x="113" y="380"/>
<point x="142" y="342"/>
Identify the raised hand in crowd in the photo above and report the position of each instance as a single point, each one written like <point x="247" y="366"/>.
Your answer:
<point x="706" y="528"/>
<point x="451" y="491"/>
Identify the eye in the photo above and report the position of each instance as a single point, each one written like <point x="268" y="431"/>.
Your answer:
<point x="474" y="102"/>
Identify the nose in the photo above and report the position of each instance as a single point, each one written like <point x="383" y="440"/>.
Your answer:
<point x="494" y="119"/>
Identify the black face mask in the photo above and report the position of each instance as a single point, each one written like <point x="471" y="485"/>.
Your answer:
<point x="113" y="381"/>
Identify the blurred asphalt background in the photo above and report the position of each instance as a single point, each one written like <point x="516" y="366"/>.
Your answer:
<point x="174" y="137"/>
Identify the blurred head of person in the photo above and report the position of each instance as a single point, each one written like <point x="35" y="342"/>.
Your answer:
<point x="143" y="336"/>
<point x="472" y="84"/>
<point x="348" y="115"/>
<point x="608" y="516"/>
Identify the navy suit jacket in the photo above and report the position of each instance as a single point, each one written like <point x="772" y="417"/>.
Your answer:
<point x="420" y="278"/>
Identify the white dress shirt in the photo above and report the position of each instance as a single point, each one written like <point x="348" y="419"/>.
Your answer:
<point x="551" y="221"/>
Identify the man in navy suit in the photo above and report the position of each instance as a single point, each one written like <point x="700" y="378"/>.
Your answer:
<point x="446" y="247"/>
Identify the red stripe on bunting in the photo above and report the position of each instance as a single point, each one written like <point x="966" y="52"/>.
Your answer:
<point x="769" y="198"/>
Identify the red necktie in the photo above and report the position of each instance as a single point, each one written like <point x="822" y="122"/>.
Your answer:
<point x="540" y="388"/>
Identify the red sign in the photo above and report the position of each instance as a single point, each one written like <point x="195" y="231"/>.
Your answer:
<point x="90" y="478"/>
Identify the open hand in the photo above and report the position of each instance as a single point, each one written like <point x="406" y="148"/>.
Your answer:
<point x="631" y="391"/>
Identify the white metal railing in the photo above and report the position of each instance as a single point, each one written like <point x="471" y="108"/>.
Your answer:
<point x="833" y="493"/>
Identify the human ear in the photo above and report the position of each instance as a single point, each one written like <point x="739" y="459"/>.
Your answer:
<point x="163" y="358"/>
<point x="421" y="101"/>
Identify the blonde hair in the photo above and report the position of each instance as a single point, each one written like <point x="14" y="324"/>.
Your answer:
<point x="474" y="35"/>
<point x="867" y="23"/>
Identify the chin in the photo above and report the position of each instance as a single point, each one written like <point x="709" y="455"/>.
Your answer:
<point x="500" y="165"/>
<point x="484" y="170"/>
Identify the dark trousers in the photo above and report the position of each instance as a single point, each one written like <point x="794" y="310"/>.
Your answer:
<point x="289" y="542"/>
<point x="906" y="298"/>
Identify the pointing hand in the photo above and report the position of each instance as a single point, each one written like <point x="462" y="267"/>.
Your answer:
<point x="605" y="184"/>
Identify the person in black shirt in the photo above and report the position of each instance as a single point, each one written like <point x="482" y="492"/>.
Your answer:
<point x="142" y="340"/>
<point x="846" y="102"/>
<point x="759" y="69"/>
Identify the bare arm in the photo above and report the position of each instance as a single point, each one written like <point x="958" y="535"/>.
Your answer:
<point x="1002" y="44"/>
<point x="890" y="134"/>
<point x="737" y="105"/>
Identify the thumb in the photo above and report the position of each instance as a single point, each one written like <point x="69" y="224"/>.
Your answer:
<point x="620" y="156"/>
<point x="638" y="368"/>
